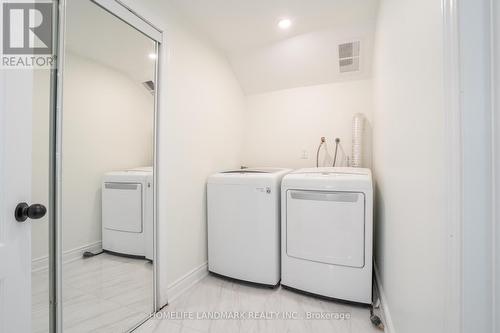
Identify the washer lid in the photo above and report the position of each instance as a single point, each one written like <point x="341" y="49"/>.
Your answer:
<point x="249" y="176"/>
<point x="128" y="173"/>
<point x="255" y="170"/>
<point x="141" y="169"/>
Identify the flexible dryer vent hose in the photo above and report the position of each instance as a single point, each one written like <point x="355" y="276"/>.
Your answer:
<point x="357" y="140"/>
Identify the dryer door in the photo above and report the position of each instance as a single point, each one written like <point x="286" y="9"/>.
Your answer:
<point x="122" y="207"/>
<point x="326" y="227"/>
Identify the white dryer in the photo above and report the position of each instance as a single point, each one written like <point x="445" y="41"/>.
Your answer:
<point x="127" y="212"/>
<point x="244" y="224"/>
<point x="327" y="230"/>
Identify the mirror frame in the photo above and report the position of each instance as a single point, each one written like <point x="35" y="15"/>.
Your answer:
<point x="126" y="14"/>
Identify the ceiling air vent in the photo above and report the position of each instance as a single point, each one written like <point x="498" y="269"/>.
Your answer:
<point x="349" y="57"/>
<point x="150" y="86"/>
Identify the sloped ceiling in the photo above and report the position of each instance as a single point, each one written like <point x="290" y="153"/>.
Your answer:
<point x="265" y="58"/>
<point x="93" y="33"/>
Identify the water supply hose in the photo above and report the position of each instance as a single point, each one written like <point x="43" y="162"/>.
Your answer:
<point x="337" y="142"/>
<point x="319" y="148"/>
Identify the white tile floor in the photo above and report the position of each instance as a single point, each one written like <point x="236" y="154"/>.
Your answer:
<point x="101" y="294"/>
<point x="214" y="295"/>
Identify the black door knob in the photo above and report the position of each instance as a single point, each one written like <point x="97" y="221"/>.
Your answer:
<point x="35" y="211"/>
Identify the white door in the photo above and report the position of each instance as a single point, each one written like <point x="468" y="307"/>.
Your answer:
<point x="15" y="183"/>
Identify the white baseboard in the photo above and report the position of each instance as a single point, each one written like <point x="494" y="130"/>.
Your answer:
<point x="389" y="326"/>
<point x="183" y="284"/>
<point x="42" y="263"/>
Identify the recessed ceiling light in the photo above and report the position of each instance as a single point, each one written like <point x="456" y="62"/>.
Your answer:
<point x="152" y="56"/>
<point x="284" y="23"/>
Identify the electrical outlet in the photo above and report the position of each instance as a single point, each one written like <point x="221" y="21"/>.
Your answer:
<point x="304" y="155"/>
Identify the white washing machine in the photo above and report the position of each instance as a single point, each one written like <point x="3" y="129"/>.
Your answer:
<point x="127" y="212"/>
<point x="244" y="224"/>
<point x="327" y="230"/>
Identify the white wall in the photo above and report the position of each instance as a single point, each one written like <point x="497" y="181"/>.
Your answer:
<point x="200" y="125"/>
<point x="409" y="163"/>
<point x="280" y="126"/>
<point x="200" y="134"/>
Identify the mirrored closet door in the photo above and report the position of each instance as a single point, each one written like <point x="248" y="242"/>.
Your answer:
<point x="107" y="166"/>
